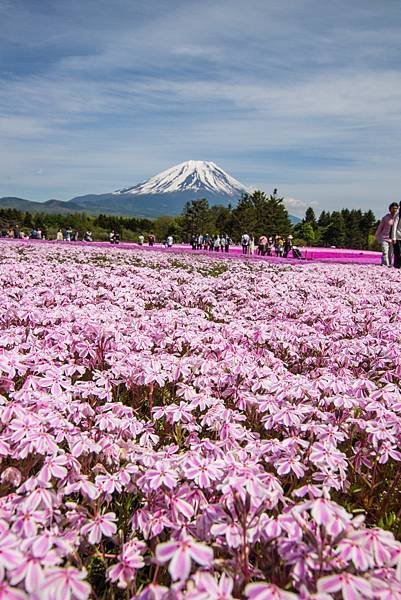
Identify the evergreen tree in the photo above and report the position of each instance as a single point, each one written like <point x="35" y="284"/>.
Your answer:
<point x="221" y="220"/>
<point x="310" y="217"/>
<point x="196" y="216"/>
<point x="306" y="232"/>
<point x="324" y="219"/>
<point x="259" y="214"/>
<point x="335" y="232"/>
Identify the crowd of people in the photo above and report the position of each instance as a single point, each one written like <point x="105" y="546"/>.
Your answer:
<point x="63" y="235"/>
<point x="266" y="245"/>
<point x="388" y="234"/>
<point x="14" y="231"/>
<point x="278" y="245"/>
<point x="214" y="243"/>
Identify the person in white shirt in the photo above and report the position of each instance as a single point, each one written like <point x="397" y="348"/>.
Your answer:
<point x="245" y="243"/>
<point x="251" y="245"/>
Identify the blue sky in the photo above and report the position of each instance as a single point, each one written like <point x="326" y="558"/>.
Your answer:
<point x="302" y="95"/>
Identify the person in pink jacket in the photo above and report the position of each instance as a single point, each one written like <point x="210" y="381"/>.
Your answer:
<point x="396" y="238"/>
<point x="383" y="234"/>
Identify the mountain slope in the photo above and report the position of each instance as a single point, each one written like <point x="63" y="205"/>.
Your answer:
<point x="49" y="207"/>
<point x="196" y="176"/>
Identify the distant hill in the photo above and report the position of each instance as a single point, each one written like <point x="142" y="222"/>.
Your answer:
<point x="49" y="207"/>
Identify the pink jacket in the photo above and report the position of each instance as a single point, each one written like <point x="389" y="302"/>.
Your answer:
<point x="383" y="232"/>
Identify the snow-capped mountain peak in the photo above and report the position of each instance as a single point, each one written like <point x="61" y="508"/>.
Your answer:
<point x="192" y="175"/>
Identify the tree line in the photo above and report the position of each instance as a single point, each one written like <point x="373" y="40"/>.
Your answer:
<point x="256" y="214"/>
<point x="343" y="229"/>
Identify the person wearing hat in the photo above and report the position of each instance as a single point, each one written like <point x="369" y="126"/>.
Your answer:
<point x="287" y="245"/>
<point x="279" y="245"/>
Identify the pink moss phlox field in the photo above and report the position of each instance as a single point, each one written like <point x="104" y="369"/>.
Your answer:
<point x="175" y="426"/>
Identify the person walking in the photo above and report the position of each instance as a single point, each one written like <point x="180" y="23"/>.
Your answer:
<point x="245" y="243"/>
<point x="287" y="246"/>
<point x="396" y="239"/>
<point x="262" y="245"/>
<point x="251" y="246"/>
<point x="384" y="233"/>
<point x="278" y="246"/>
<point x="227" y="244"/>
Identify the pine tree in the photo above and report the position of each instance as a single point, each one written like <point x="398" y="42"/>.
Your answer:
<point x="259" y="214"/>
<point x="310" y="217"/>
<point x="335" y="232"/>
<point x="196" y="216"/>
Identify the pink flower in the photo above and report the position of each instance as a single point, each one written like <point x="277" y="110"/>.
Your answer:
<point x="100" y="525"/>
<point x="153" y="592"/>
<point x="11" y="476"/>
<point x="29" y="571"/>
<point x="290" y="463"/>
<point x="54" y="466"/>
<point x="208" y="588"/>
<point x="10" y="556"/>
<point x="160" y="475"/>
<point x="231" y="531"/>
<point x="110" y="483"/>
<point x="180" y="553"/>
<point x="129" y="560"/>
<point x="203" y="471"/>
<point x="27" y="521"/>
<point x="65" y="584"/>
<point x="267" y="591"/>
<point x="10" y="593"/>
<point x="351" y="586"/>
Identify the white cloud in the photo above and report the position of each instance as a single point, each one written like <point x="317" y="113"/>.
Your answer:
<point x="298" y="207"/>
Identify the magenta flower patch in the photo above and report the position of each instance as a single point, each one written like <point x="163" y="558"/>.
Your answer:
<point x="179" y="426"/>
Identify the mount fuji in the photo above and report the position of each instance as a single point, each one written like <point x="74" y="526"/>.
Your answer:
<point x="196" y="176"/>
<point x="163" y="194"/>
<point x="167" y="192"/>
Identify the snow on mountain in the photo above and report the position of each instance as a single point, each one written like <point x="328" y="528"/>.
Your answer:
<point x="192" y="175"/>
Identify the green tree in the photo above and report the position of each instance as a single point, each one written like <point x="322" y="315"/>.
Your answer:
<point x="335" y="232"/>
<point x="196" y="216"/>
<point x="310" y="217"/>
<point x="324" y="219"/>
<point x="306" y="233"/>
<point x="221" y="220"/>
<point x="259" y="214"/>
<point x="164" y="226"/>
